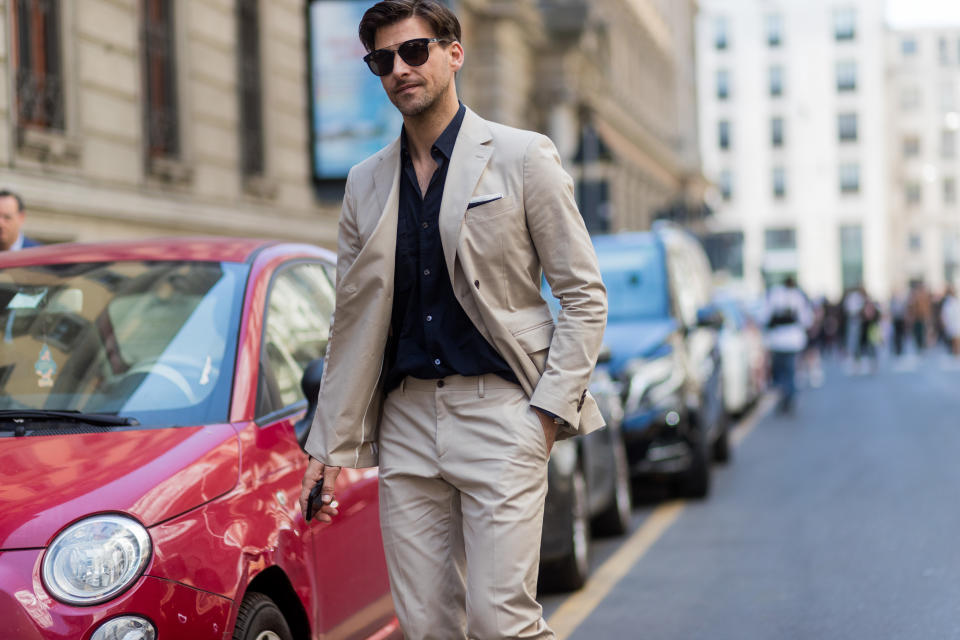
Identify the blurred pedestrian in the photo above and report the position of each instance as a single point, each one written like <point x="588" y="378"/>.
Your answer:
<point x="950" y="317"/>
<point x="12" y="216"/>
<point x="787" y="317"/>
<point x="919" y="314"/>
<point x="870" y="336"/>
<point x="437" y="364"/>
<point x="898" y="316"/>
<point x="853" y="303"/>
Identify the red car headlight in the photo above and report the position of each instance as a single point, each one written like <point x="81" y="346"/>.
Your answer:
<point x="96" y="559"/>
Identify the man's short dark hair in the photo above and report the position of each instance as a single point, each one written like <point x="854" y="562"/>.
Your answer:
<point x="387" y="12"/>
<point x="6" y="193"/>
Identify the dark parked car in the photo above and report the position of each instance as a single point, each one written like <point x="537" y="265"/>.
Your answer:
<point x="588" y="490"/>
<point x="662" y="334"/>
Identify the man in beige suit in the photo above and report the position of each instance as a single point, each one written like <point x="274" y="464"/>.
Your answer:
<point x="444" y="365"/>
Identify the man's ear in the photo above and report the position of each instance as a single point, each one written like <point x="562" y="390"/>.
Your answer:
<point x="456" y="56"/>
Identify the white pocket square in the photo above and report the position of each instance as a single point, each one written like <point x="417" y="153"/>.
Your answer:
<point x="478" y="200"/>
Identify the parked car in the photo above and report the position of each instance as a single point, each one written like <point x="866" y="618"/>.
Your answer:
<point x="664" y="344"/>
<point x="588" y="492"/>
<point x="151" y="407"/>
<point x="743" y="356"/>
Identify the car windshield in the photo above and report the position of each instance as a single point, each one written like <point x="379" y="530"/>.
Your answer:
<point x="636" y="282"/>
<point x="155" y="341"/>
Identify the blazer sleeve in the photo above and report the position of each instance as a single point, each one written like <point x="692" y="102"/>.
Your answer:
<point x="334" y="444"/>
<point x="569" y="263"/>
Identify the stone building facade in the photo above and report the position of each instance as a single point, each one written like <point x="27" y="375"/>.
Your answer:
<point x="923" y="71"/>
<point x="132" y="118"/>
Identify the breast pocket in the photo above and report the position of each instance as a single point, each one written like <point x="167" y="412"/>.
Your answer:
<point x="487" y="211"/>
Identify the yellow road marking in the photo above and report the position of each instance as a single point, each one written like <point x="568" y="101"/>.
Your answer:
<point x="577" y="607"/>
<point x="581" y="604"/>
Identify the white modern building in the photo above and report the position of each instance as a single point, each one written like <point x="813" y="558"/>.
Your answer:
<point x="924" y="109"/>
<point x="792" y="120"/>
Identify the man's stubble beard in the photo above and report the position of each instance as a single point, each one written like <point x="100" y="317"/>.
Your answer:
<point x="425" y="104"/>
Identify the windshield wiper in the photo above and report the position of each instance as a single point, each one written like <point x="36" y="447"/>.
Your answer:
<point x="16" y="417"/>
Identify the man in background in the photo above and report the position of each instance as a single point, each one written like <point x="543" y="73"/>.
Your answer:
<point x="12" y="216"/>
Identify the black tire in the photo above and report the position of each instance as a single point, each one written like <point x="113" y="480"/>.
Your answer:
<point x="260" y="619"/>
<point x="695" y="482"/>
<point x="570" y="572"/>
<point x="615" y="519"/>
<point x="721" y="446"/>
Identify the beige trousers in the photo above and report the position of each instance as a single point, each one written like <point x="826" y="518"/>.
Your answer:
<point x="463" y="477"/>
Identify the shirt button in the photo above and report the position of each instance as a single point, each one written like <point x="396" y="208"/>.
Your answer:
<point x="429" y="318"/>
<point x="437" y="362"/>
<point x="426" y="272"/>
<point x="426" y="225"/>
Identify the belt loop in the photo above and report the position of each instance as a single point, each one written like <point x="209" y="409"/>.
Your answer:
<point x="483" y="393"/>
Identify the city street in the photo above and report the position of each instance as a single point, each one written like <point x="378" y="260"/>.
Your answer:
<point x="839" y="521"/>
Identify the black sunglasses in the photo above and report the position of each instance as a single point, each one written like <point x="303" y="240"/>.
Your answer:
<point x="414" y="52"/>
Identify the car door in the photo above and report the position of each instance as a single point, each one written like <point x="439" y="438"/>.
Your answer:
<point x="351" y="592"/>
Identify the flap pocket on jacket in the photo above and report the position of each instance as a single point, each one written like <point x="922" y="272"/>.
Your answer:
<point x="535" y="338"/>
<point x="483" y="212"/>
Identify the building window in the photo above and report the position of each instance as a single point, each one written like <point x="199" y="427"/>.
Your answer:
<point x="723" y="134"/>
<point x="723" y="84"/>
<point x="948" y="96"/>
<point x="250" y="88"/>
<point x="776" y="132"/>
<point x="851" y="256"/>
<point x="776" y="81"/>
<point x="910" y="98"/>
<point x="916" y="242"/>
<point x="36" y="51"/>
<point x="845" y="23"/>
<point x="948" y="144"/>
<point x="913" y="193"/>
<point x="779" y="183"/>
<point x="850" y="178"/>
<point x="774" y="30"/>
<point x="726" y="185"/>
<point x="949" y="191"/>
<point x="846" y="75"/>
<point x="780" y="239"/>
<point x="162" y="117"/>
<point x="721" y="39"/>
<point x="911" y="147"/>
<point x="847" y="127"/>
<point x="944" y="51"/>
<point x="908" y="47"/>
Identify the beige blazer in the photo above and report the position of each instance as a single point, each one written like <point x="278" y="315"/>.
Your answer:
<point x="494" y="253"/>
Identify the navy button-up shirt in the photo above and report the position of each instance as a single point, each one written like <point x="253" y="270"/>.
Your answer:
<point x="431" y="336"/>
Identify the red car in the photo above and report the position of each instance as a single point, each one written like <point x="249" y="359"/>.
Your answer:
<point x="151" y="421"/>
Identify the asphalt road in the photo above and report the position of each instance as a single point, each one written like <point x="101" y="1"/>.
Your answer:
<point x="839" y="521"/>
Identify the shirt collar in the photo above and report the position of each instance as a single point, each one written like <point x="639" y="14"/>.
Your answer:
<point x="445" y="142"/>
<point x="18" y="243"/>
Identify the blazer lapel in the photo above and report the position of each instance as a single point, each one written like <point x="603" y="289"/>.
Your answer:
<point x="386" y="184"/>
<point x="470" y="156"/>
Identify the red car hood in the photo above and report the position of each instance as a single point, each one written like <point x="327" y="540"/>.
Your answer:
<point x="151" y="474"/>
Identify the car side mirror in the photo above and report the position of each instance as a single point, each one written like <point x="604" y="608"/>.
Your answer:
<point x="709" y="318"/>
<point x="310" y="384"/>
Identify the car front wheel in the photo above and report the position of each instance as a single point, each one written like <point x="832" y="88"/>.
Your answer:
<point x="260" y="619"/>
<point x="570" y="572"/>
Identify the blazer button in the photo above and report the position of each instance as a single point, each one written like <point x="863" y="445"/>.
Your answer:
<point x="476" y="283"/>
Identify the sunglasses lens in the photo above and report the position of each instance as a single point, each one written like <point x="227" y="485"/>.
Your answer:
<point x="380" y="62"/>
<point x="414" y="52"/>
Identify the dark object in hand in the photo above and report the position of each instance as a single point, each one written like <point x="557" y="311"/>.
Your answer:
<point x="315" y="501"/>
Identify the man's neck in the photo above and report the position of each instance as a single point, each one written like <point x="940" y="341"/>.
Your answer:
<point x="423" y="130"/>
